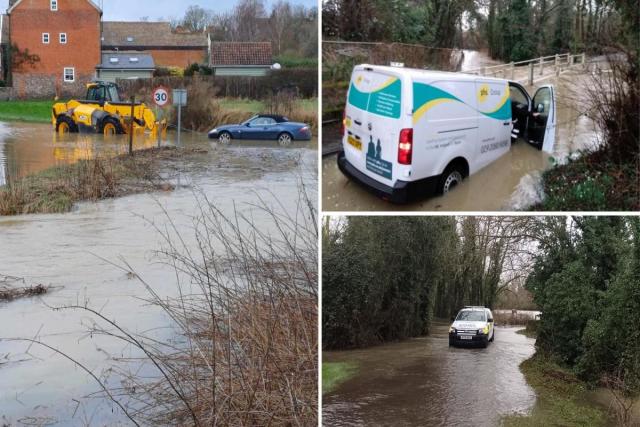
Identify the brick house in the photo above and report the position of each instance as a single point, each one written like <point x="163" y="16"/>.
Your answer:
<point x="168" y="48"/>
<point x="65" y="34"/>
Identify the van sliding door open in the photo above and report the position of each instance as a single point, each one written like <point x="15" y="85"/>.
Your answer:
<point x="542" y="123"/>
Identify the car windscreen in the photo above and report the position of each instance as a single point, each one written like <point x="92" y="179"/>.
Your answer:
<point x="472" y="316"/>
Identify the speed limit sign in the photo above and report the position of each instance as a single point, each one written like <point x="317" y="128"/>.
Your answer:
<point x="161" y="96"/>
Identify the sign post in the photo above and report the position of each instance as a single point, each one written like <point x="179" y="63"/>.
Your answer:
<point x="180" y="99"/>
<point x="161" y="99"/>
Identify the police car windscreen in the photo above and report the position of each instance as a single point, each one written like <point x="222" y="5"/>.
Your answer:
<point x="471" y="316"/>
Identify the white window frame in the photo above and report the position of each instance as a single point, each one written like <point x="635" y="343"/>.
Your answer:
<point x="46" y="38"/>
<point x="53" y="5"/>
<point x="63" y="35"/>
<point x="64" y="74"/>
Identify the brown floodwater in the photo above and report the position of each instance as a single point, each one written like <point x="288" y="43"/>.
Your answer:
<point x="425" y="382"/>
<point x="73" y="253"/>
<point x="510" y="183"/>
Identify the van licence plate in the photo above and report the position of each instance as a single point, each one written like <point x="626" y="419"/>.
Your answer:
<point x="465" y="337"/>
<point x="354" y="142"/>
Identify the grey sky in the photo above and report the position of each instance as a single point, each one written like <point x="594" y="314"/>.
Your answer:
<point x="131" y="10"/>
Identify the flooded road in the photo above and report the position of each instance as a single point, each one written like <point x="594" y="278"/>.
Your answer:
<point x="73" y="254"/>
<point x="424" y="382"/>
<point x="510" y="183"/>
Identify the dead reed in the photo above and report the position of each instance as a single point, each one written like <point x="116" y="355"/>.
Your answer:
<point x="55" y="190"/>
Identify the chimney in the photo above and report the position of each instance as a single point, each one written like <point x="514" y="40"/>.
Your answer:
<point x="12" y="2"/>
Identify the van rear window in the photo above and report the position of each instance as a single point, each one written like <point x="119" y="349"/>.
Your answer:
<point x="377" y="94"/>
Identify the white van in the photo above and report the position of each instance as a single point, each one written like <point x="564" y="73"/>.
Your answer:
<point x="411" y="132"/>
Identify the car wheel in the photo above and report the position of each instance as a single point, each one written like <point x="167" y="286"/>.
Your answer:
<point x="225" y="138"/>
<point x="450" y="343"/>
<point x="285" y="138"/>
<point x="450" y="179"/>
<point x="493" y="336"/>
<point x="65" y="124"/>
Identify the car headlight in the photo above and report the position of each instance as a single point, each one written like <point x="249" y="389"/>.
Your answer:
<point x="214" y="131"/>
<point x="484" y="330"/>
<point x="452" y="330"/>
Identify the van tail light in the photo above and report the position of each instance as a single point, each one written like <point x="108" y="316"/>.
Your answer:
<point x="344" y="123"/>
<point x="405" y="147"/>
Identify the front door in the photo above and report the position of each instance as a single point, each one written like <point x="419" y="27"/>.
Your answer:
<point x="542" y="120"/>
<point x="520" y="105"/>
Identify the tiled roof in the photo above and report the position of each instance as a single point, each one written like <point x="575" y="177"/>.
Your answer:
<point x="148" y="34"/>
<point x="241" y="53"/>
<point x="127" y="61"/>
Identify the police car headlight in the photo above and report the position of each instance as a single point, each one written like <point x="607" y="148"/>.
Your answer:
<point x="214" y="131"/>
<point x="484" y="330"/>
<point x="452" y="330"/>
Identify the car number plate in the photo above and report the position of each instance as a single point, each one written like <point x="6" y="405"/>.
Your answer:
<point x="465" y="337"/>
<point x="354" y="142"/>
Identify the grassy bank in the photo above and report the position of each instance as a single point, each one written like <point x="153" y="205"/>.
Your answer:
<point x="26" y="111"/>
<point x="55" y="190"/>
<point x="591" y="183"/>
<point x="335" y="373"/>
<point x="531" y="330"/>
<point x="559" y="395"/>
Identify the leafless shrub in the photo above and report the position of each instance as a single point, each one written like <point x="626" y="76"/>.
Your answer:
<point x="622" y="403"/>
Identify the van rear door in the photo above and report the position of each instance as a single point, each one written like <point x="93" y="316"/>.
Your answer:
<point x="542" y="123"/>
<point x="372" y="123"/>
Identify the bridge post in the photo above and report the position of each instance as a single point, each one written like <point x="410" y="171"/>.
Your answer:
<point x="584" y="62"/>
<point x="513" y="70"/>
<point x="484" y="71"/>
<point x="530" y="73"/>
<point x="557" y="64"/>
<point x="541" y="65"/>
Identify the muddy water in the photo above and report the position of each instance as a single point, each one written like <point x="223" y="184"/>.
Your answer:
<point x="474" y="59"/>
<point x="424" y="382"/>
<point x="70" y="252"/>
<point x="512" y="182"/>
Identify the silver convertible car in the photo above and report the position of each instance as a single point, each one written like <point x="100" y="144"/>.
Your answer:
<point x="263" y="126"/>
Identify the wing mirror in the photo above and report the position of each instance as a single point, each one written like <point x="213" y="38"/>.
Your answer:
<point x="248" y="124"/>
<point x="490" y="320"/>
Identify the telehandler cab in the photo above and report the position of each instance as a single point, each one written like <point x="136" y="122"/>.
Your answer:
<point x="103" y="112"/>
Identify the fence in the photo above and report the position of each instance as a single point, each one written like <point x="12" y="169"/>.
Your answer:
<point x="526" y="71"/>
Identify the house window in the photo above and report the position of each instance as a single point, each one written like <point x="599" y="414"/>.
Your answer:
<point x="54" y="5"/>
<point x="70" y="75"/>
<point x="45" y="38"/>
<point x="63" y="38"/>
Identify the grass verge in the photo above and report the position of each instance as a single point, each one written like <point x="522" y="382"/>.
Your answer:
<point x="558" y="398"/>
<point x="55" y="190"/>
<point x="26" y="111"/>
<point x="591" y="183"/>
<point x="336" y="373"/>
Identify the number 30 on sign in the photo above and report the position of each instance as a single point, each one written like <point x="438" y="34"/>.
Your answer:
<point x="161" y="96"/>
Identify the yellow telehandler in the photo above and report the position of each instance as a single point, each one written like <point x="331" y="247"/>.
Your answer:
<point x="103" y="112"/>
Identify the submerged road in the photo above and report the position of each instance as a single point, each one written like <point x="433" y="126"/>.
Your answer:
<point x="423" y="382"/>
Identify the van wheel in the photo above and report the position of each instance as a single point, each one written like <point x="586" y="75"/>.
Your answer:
<point x="450" y="179"/>
<point x="493" y="336"/>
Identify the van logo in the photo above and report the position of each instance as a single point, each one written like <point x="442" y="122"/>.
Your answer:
<point x="375" y="162"/>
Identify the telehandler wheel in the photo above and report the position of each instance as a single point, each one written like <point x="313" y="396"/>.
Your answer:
<point x="110" y="126"/>
<point x="65" y="124"/>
